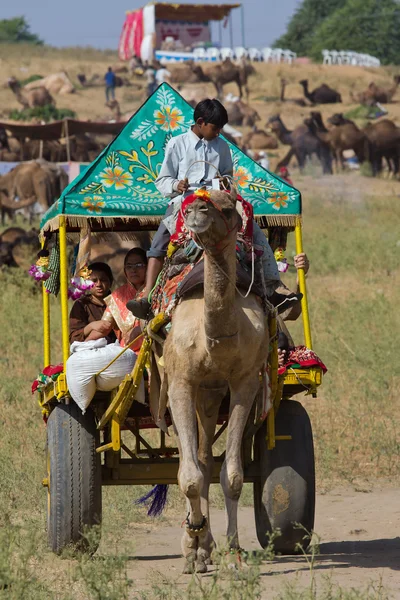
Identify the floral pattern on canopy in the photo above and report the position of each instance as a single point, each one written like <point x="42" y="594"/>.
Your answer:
<point x="120" y="181"/>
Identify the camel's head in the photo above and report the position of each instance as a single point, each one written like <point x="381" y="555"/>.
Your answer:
<point x="336" y="119"/>
<point x="13" y="84"/>
<point x="303" y="82"/>
<point x="212" y="216"/>
<point x="274" y="124"/>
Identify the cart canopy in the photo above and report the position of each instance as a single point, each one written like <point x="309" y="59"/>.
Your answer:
<point x="118" y="186"/>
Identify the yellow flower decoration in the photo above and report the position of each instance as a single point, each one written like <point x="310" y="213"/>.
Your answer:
<point x="202" y="194"/>
<point x="241" y="177"/>
<point x="169" y="118"/>
<point x="278" y="200"/>
<point x="116" y="176"/>
<point x="94" y="205"/>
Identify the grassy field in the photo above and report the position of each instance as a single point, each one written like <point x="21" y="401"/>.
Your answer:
<point x="352" y="238"/>
<point x="351" y="234"/>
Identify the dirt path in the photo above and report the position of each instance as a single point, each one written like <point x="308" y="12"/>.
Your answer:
<point x="359" y="534"/>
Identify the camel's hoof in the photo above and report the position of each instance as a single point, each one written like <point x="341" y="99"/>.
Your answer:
<point x="201" y="567"/>
<point x="208" y="561"/>
<point x="189" y="568"/>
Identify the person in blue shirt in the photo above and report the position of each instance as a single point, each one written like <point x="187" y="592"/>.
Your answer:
<point x="110" y="81"/>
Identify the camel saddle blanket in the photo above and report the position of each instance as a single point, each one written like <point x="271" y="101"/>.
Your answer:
<point x="178" y="280"/>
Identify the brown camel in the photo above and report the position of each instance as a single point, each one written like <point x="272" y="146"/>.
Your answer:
<point x="30" y="183"/>
<point x="218" y="341"/>
<point x="343" y="137"/>
<point x="226" y="72"/>
<point x="373" y="93"/>
<point x="240" y="113"/>
<point x="257" y="139"/>
<point x="189" y="72"/>
<point x="321" y="95"/>
<point x="298" y="101"/>
<point x="18" y="247"/>
<point x="30" y="98"/>
<point x="303" y="142"/>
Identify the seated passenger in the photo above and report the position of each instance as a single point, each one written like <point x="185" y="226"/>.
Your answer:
<point x="191" y="161"/>
<point x="90" y="308"/>
<point x="116" y="316"/>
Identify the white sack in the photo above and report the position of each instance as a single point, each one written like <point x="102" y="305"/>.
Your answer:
<point x="87" y="359"/>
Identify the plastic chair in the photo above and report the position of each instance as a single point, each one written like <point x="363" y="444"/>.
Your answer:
<point x="199" y="54"/>
<point x="240" y="52"/>
<point x="277" y="54"/>
<point x="254" y="54"/>
<point x="227" y="53"/>
<point x="327" y="58"/>
<point x="266" y="54"/>
<point x="213" y="53"/>
<point x="289" y="56"/>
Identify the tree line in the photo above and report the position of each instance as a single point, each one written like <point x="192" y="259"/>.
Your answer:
<point x="366" y="26"/>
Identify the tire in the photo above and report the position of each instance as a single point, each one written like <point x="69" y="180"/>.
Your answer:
<point x="74" y="478"/>
<point x="285" y="493"/>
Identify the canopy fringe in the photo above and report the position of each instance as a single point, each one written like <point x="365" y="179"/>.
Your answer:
<point x="75" y="221"/>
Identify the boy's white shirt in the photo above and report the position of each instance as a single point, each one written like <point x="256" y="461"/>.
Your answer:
<point x="180" y="158"/>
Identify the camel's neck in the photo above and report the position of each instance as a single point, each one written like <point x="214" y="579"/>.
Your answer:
<point x="219" y="293"/>
<point x="306" y="92"/>
<point x="285" y="135"/>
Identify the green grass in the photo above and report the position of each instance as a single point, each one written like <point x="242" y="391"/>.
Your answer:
<point x="354" y="249"/>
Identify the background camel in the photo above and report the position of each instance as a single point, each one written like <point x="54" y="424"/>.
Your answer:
<point x="374" y="94"/>
<point x="30" y="98"/>
<point x="30" y="183"/>
<point x="218" y="340"/>
<point x="346" y="136"/>
<point x="303" y="143"/>
<point x="321" y="95"/>
<point x="298" y="101"/>
<point x="258" y="139"/>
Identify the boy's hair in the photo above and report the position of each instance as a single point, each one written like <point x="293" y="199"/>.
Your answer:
<point x="211" y="111"/>
<point x="103" y="268"/>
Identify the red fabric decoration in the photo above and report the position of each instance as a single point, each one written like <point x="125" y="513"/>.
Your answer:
<point x="304" y="357"/>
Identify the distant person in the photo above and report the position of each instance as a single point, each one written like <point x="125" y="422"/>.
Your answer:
<point x="162" y="75"/>
<point x="285" y="175"/>
<point x="151" y="80"/>
<point x="110" y="81"/>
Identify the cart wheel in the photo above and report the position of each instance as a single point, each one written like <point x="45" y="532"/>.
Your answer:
<point x="285" y="493"/>
<point x="74" y="477"/>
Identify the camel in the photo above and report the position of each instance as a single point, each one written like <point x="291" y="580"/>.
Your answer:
<point x="298" y="101"/>
<point x="384" y="137"/>
<point x="188" y="72"/>
<point x="321" y="95"/>
<point x="56" y="83"/>
<point x="218" y="341"/>
<point x="18" y="247"/>
<point x="242" y="114"/>
<point x="257" y="139"/>
<point x="384" y="140"/>
<point x="30" y="98"/>
<point x="30" y="183"/>
<point x="346" y="136"/>
<point x="223" y="73"/>
<point x="304" y="143"/>
<point x="375" y="94"/>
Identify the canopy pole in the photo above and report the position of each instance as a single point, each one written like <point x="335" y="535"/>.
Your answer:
<point x="46" y="327"/>
<point x="64" y="288"/>
<point x="302" y="287"/>
<point x="242" y="19"/>
<point x="231" y="29"/>
<point x="220" y="33"/>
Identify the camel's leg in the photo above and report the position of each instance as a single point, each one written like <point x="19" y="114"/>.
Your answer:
<point x="208" y="402"/>
<point x="243" y="393"/>
<point x="239" y="84"/>
<point x="182" y="401"/>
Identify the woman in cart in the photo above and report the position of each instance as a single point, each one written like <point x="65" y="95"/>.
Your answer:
<point x="116" y="316"/>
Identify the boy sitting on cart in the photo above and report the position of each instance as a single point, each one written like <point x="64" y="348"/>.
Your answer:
<point x="192" y="160"/>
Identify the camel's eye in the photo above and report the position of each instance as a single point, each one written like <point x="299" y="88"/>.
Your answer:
<point x="228" y="212"/>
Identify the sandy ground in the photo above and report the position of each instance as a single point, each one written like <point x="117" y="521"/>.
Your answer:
<point x="360" y="543"/>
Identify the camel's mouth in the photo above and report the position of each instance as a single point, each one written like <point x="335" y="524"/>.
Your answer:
<point x="197" y="225"/>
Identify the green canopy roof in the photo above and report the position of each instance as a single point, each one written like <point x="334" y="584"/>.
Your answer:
<point x="119" y="184"/>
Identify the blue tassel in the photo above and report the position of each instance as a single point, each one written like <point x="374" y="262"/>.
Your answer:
<point x="157" y="497"/>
